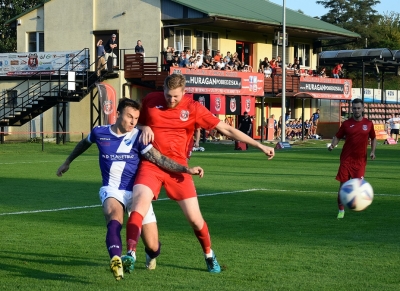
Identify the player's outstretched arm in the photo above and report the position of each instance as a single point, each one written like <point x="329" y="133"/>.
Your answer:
<point x="80" y="148"/>
<point x="168" y="164"/>
<point x="232" y="132"/>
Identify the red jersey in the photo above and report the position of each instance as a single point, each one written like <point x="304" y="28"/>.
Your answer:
<point x="356" y="134"/>
<point x="174" y="127"/>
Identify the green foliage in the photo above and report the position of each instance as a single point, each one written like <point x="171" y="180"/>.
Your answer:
<point x="8" y="10"/>
<point x="387" y="32"/>
<point x="278" y="232"/>
<point x="354" y="15"/>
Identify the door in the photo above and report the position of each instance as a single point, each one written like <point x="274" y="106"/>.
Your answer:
<point x="244" y="50"/>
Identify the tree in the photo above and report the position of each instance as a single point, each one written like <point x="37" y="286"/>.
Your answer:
<point x="387" y="32"/>
<point x="354" y="15"/>
<point x="8" y="10"/>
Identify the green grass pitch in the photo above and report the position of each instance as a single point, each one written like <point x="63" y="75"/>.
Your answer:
<point x="272" y="223"/>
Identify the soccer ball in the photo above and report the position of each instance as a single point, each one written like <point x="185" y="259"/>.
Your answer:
<point x="356" y="194"/>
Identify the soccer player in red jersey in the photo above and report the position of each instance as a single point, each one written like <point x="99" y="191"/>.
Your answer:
<point x="169" y="119"/>
<point x="353" y="158"/>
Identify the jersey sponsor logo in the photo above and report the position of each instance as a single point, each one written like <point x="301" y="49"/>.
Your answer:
<point x="364" y="127"/>
<point x="159" y="106"/>
<point x="184" y="115"/>
<point x="352" y="125"/>
<point x="120" y="157"/>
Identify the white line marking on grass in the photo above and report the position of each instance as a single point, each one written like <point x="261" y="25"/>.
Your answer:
<point x="201" y="195"/>
<point x="35" y="162"/>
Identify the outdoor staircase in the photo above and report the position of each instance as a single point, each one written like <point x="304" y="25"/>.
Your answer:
<point x="43" y="92"/>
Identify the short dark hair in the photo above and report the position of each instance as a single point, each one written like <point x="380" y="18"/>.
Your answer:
<point x="126" y="102"/>
<point x="357" y="100"/>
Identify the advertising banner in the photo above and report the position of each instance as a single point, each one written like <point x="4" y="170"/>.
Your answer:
<point x="203" y="99"/>
<point x="377" y="95"/>
<point x="391" y="96"/>
<point x="248" y="105"/>
<point x="217" y="104"/>
<point x="233" y="106"/>
<point x="26" y="64"/>
<point x="368" y="95"/>
<point x="108" y="103"/>
<point x="326" y="88"/>
<point x="200" y="81"/>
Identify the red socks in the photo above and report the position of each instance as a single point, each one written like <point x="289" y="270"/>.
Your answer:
<point x="204" y="238"/>
<point x="133" y="229"/>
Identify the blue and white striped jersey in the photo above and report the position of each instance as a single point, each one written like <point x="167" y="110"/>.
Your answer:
<point x="119" y="155"/>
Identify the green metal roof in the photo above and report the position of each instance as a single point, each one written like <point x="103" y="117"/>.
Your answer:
<point x="25" y="12"/>
<point x="265" y="12"/>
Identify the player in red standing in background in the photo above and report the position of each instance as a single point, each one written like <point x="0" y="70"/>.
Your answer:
<point x="353" y="158"/>
<point x="170" y="119"/>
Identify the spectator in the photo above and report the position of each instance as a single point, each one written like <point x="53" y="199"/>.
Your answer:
<point x="288" y="114"/>
<point x="217" y="56"/>
<point x="264" y="64"/>
<point x="101" y="63"/>
<point x="208" y="57"/>
<point x="337" y="70"/>
<point x="194" y="53"/>
<point x="246" y="125"/>
<point x="220" y="65"/>
<point x="268" y="71"/>
<point x="109" y="48"/>
<point x="279" y="127"/>
<point x="175" y="61"/>
<point x="200" y="53"/>
<point x="184" y="62"/>
<point x="228" y="56"/>
<point x="322" y="72"/>
<point x="307" y="126"/>
<point x="394" y="123"/>
<point x="314" y="119"/>
<point x="279" y="62"/>
<point x="139" y="49"/>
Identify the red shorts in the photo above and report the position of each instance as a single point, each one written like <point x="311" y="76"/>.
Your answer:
<point x="349" y="171"/>
<point x="178" y="186"/>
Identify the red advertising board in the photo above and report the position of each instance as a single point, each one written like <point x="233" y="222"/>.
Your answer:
<point x="200" y="81"/>
<point x="326" y="88"/>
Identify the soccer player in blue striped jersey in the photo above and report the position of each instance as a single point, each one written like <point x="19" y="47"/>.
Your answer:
<point x="120" y="151"/>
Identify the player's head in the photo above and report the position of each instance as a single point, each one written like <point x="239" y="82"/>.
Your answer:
<point x="357" y="107"/>
<point x="174" y="89"/>
<point x="127" y="115"/>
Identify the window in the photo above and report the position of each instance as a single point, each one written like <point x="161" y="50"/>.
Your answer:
<point x="182" y="39"/>
<point x="302" y="52"/>
<point x="35" y="42"/>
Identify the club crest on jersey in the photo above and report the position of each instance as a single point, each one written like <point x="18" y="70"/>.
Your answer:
<point x="107" y="107"/>
<point x="365" y="127"/>
<point x="128" y="141"/>
<point x="232" y="105"/>
<point x="184" y="115"/>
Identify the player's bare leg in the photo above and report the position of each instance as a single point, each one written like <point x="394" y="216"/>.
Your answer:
<point x="191" y="210"/>
<point x="152" y="244"/>
<point x="142" y="197"/>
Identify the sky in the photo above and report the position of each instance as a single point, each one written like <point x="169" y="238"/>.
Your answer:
<point x="311" y="8"/>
